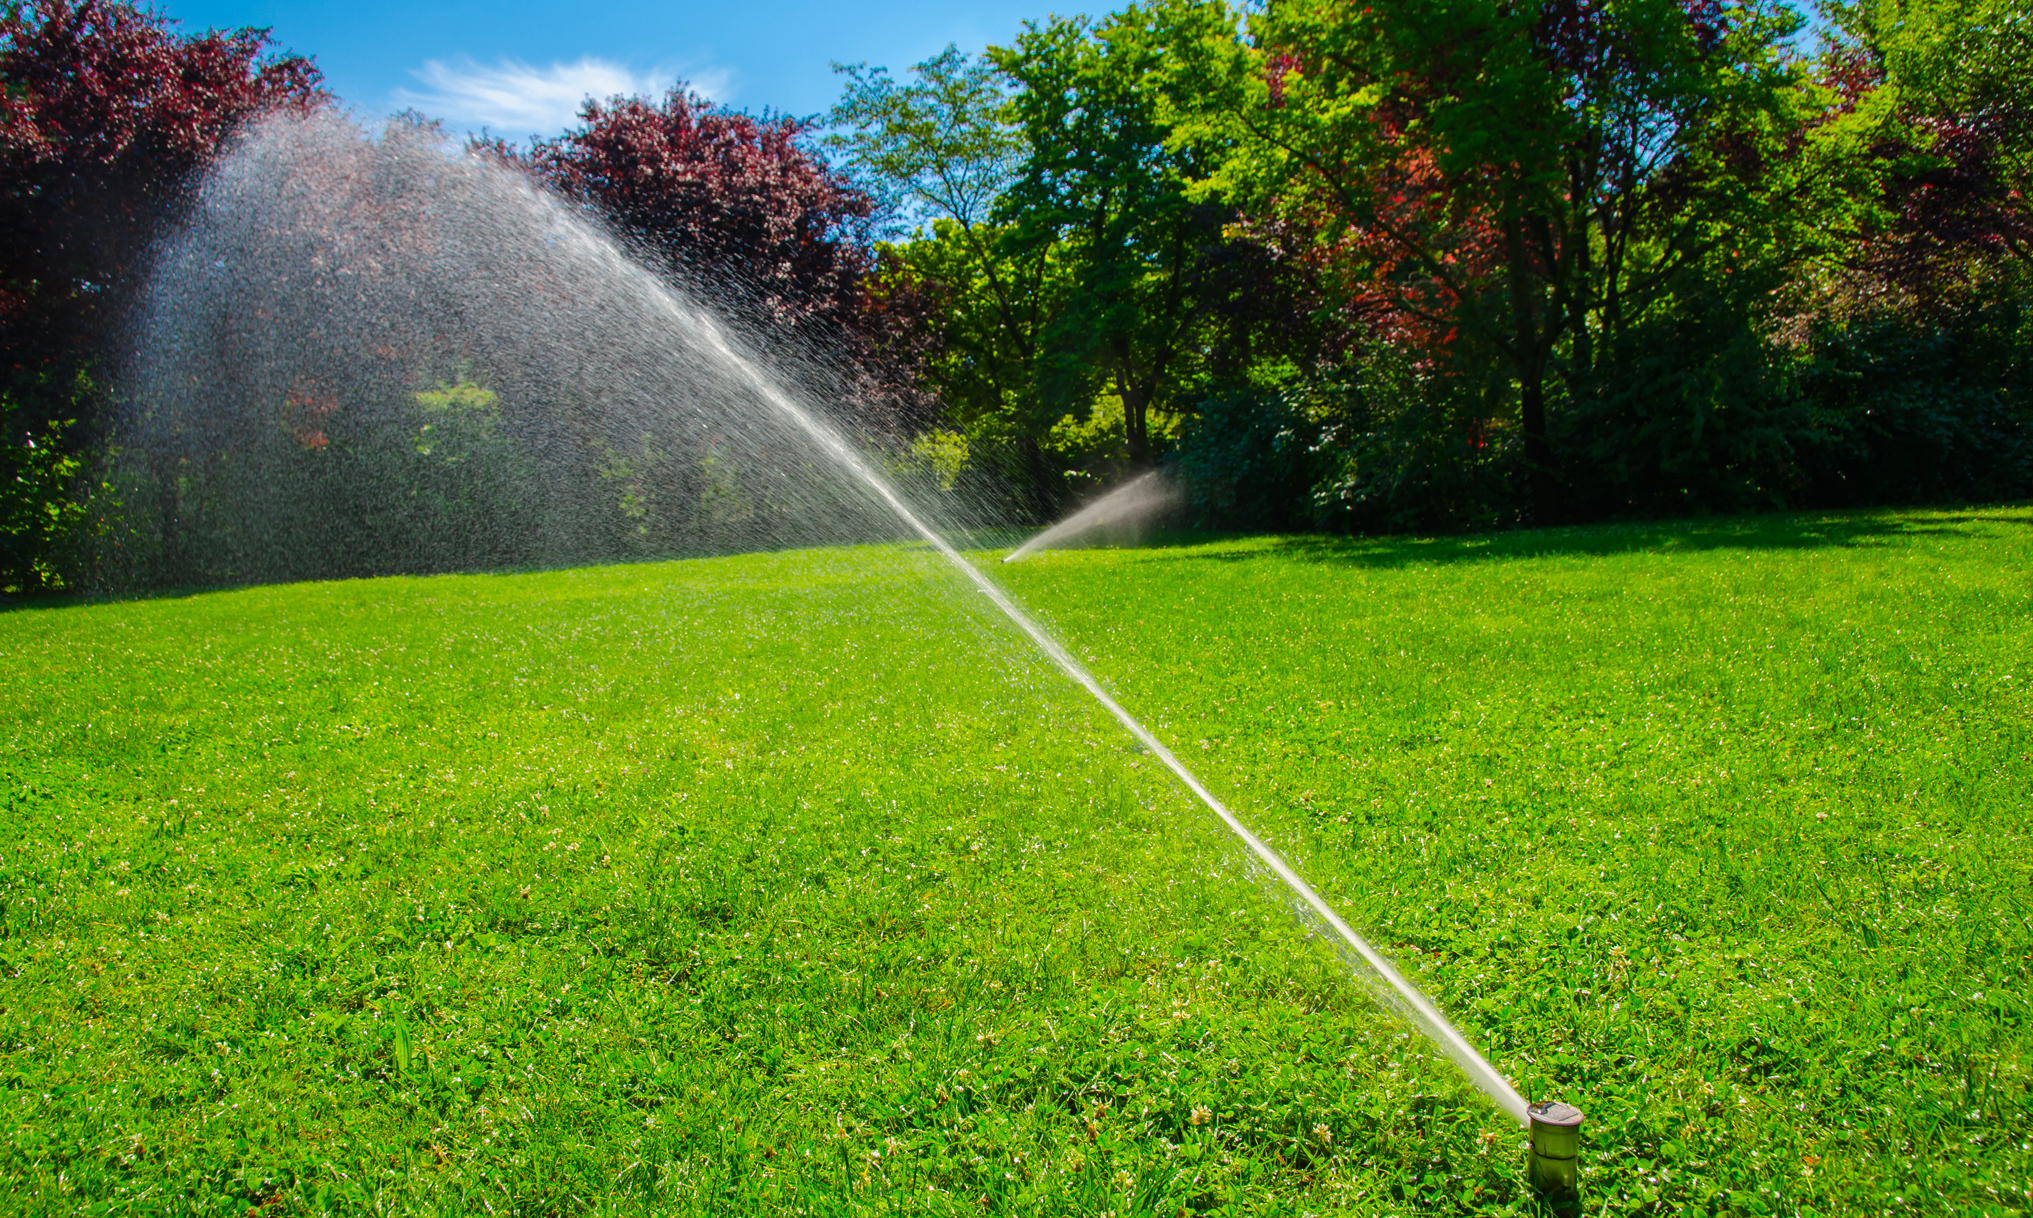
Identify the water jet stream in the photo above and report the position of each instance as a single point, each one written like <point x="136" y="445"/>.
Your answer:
<point x="1402" y="995"/>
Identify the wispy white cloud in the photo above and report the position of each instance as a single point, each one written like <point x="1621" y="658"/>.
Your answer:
<point x="513" y="98"/>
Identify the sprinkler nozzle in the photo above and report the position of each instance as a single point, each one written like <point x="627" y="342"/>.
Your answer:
<point x="1554" y="1162"/>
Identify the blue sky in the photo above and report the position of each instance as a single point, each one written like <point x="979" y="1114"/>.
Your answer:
<point x="521" y="68"/>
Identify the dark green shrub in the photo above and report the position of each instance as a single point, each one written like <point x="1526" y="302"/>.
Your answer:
<point x="1925" y="413"/>
<point x="1409" y="446"/>
<point x="1696" y="412"/>
<point x="1249" y="460"/>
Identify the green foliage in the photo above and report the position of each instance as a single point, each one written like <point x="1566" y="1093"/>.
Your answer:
<point x="999" y="297"/>
<point x="37" y="511"/>
<point x="462" y="484"/>
<point x="1699" y="412"/>
<point x="377" y="479"/>
<point x="1105" y="183"/>
<point x="785" y="883"/>
<point x="940" y="145"/>
<point x="1407" y="447"/>
<point x="1545" y="210"/>
<point x="1059" y="220"/>
<point x="942" y="149"/>
<point x="1246" y="458"/>
<point x="381" y="480"/>
<point x="50" y="507"/>
<point x="938" y="457"/>
<point x="1949" y="56"/>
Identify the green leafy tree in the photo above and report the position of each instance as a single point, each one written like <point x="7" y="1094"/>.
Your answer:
<point x="1106" y="182"/>
<point x="997" y="301"/>
<point x="1917" y="343"/>
<point x="1059" y="215"/>
<point x="40" y="510"/>
<point x="938" y="147"/>
<point x="940" y="150"/>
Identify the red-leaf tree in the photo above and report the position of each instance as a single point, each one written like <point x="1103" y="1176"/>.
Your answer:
<point x="729" y="199"/>
<point x="107" y="114"/>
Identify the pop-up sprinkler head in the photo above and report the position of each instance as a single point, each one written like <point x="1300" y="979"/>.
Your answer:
<point x="1554" y="1162"/>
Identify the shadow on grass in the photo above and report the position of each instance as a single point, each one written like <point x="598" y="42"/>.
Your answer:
<point x="1791" y="531"/>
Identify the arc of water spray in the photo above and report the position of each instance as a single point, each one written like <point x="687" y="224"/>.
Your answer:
<point x="1404" y="996"/>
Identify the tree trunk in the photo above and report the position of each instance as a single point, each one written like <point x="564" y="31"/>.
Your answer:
<point x="1136" y="424"/>
<point x="1543" y="483"/>
<point x="1577" y="307"/>
<point x="1531" y="345"/>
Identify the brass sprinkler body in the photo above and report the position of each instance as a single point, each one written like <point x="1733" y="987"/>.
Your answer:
<point x="1553" y="1164"/>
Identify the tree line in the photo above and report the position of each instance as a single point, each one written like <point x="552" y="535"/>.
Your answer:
<point x="1398" y="265"/>
<point x="1445" y="264"/>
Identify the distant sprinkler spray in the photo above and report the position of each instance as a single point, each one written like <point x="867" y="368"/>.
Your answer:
<point x="1130" y="505"/>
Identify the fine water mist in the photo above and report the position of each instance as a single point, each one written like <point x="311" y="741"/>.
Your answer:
<point x="372" y="354"/>
<point x="1122" y="511"/>
<point x="366" y="356"/>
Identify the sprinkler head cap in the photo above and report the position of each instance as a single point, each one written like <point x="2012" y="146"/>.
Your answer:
<point x="1556" y="1147"/>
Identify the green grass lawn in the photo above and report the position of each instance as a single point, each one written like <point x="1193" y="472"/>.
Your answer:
<point x="793" y="883"/>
